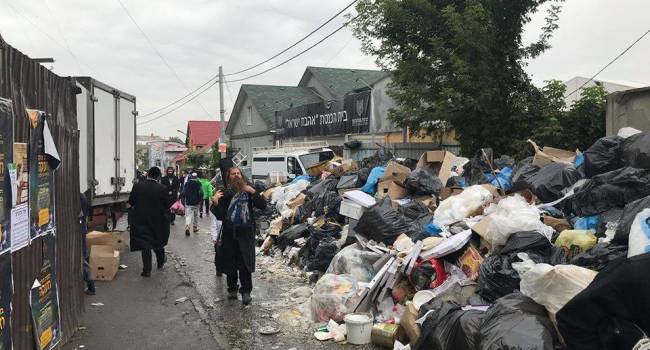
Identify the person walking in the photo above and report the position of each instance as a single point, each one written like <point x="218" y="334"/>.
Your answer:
<point x="193" y="196"/>
<point x="208" y="190"/>
<point x="83" y="222"/>
<point x="172" y="185"/>
<point x="236" y="254"/>
<point x="150" y="204"/>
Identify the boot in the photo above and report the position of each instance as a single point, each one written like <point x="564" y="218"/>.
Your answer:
<point x="246" y="298"/>
<point x="232" y="295"/>
<point x="187" y="232"/>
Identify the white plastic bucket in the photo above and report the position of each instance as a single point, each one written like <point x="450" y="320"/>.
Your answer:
<point x="359" y="328"/>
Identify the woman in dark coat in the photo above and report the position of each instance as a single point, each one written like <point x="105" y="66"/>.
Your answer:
<point x="150" y="204"/>
<point x="236" y="258"/>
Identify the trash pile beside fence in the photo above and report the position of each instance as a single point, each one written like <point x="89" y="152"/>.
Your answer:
<point x="481" y="253"/>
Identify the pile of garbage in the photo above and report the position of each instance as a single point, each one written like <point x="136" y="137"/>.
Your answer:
<point x="447" y="252"/>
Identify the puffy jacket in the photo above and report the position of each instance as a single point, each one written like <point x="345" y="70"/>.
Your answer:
<point x="207" y="188"/>
<point x="192" y="192"/>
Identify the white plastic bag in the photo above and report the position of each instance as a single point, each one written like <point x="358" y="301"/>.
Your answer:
<point x="513" y="214"/>
<point x="639" y="241"/>
<point x="462" y="205"/>
<point x="551" y="286"/>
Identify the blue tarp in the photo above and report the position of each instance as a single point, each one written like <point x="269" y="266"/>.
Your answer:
<point x="373" y="179"/>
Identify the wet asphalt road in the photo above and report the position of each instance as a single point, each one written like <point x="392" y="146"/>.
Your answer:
<point x="280" y="297"/>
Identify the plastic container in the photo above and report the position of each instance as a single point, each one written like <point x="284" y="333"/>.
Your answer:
<point x="359" y="328"/>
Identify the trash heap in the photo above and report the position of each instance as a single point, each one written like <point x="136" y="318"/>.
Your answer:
<point x="454" y="253"/>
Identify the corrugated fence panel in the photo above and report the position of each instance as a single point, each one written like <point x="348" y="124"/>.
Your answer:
<point x="30" y="85"/>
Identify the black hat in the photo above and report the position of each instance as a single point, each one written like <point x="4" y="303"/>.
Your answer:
<point x="154" y="173"/>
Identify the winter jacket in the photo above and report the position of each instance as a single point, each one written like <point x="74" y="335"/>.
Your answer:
<point x="192" y="192"/>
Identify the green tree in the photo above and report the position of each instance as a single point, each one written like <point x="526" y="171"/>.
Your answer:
<point x="176" y="139"/>
<point x="584" y="122"/>
<point x="461" y="62"/>
<point x="196" y="160"/>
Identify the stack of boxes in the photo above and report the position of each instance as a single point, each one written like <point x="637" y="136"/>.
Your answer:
<point x="105" y="248"/>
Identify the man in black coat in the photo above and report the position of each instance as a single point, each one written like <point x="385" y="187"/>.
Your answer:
<point x="172" y="185"/>
<point x="150" y="223"/>
<point x="236" y="258"/>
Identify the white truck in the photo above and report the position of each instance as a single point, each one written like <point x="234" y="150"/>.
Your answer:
<point x="106" y="119"/>
<point x="289" y="159"/>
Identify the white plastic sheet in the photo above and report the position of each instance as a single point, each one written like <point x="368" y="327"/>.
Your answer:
<point x="639" y="241"/>
<point x="462" y="205"/>
<point x="513" y="214"/>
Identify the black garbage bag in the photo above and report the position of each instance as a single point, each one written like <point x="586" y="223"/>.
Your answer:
<point x="522" y="177"/>
<point x="477" y="166"/>
<point x="363" y="175"/>
<point x="516" y="322"/>
<point x="354" y="144"/>
<point x="422" y="182"/>
<point x="627" y="218"/>
<point x="497" y="277"/>
<point x="547" y="184"/>
<point x="600" y="256"/>
<point x="608" y="218"/>
<point x="635" y="151"/>
<point x="327" y="204"/>
<point x="447" y="326"/>
<point x="380" y="158"/>
<point x="322" y="186"/>
<point x="603" y="156"/>
<point x="302" y="213"/>
<point x="382" y="223"/>
<point x="611" y="190"/>
<point x="323" y="255"/>
<point x="504" y="161"/>
<point x="456" y="181"/>
<point x="289" y="235"/>
<point x="413" y="210"/>
<point x="348" y="181"/>
<point x="409" y="163"/>
<point x="319" y="234"/>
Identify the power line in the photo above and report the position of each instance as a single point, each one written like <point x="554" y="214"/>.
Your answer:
<point x="299" y="54"/>
<point x="181" y="105"/>
<point x="65" y="41"/>
<point x="297" y="42"/>
<point x="155" y="49"/>
<point x="610" y="63"/>
<point x="216" y="76"/>
<point x="255" y="75"/>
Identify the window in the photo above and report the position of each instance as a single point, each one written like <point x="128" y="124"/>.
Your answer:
<point x="249" y="116"/>
<point x="293" y="167"/>
<point x="313" y="158"/>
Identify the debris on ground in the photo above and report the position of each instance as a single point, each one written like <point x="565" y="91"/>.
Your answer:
<point x="455" y="253"/>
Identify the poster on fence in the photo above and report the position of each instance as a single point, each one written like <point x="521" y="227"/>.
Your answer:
<point x="6" y="296"/>
<point x="41" y="180"/>
<point x="6" y="158"/>
<point x="44" y="299"/>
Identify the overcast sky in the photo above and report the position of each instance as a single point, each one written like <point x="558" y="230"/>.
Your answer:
<point x="97" y="38"/>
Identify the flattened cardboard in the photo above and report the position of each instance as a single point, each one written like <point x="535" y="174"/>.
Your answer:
<point x="298" y="201"/>
<point x="408" y="322"/>
<point x="447" y="192"/>
<point x="547" y="155"/>
<point x="440" y="161"/>
<point x="481" y="228"/>
<point x="104" y="262"/>
<point x="117" y="240"/>
<point x="396" y="172"/>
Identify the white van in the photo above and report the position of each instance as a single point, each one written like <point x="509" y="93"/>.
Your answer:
<point x="290" y="160"/>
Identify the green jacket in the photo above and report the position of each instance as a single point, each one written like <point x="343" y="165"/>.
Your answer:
<point x="207" y="188"/>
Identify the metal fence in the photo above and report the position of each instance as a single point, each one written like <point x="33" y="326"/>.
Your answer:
<point x="399" y="150"/>
<point x="30" y="85"/>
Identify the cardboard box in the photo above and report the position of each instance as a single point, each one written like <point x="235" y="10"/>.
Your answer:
<point x="298" y="201"/>
<point x="396" y="172"/>
<point x="391" y="189"/>
<point x="429" y="202"/>
<point x="116" y="239"/>
<point x="317" y="169"/>
<point x="104" y="262"/>
<point x="408" y="322"/>
<point x="440" y="161"/>
<point x="470" y="262"/>
<point x="351" y="209"/>
<point x="350" y="165"/>
<point x="481" y="228"/>
<point x="547" y="155"/>
<point x="121" y="240"/>
<point x="447" y="192"/>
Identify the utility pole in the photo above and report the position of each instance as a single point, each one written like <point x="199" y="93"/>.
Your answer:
<point x="222" y="111"/>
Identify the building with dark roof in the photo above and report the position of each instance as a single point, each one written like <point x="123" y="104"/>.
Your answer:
<point x="254" y="120"/>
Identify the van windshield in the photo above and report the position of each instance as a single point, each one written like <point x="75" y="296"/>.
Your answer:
<point x="311" y="159"/>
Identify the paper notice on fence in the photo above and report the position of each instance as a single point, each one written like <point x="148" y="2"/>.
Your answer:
<point x="360" y="198"/>
<point x="19" y="227"/>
